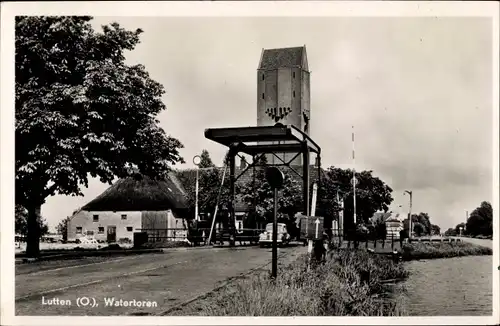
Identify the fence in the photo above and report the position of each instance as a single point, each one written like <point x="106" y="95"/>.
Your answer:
<point x="161" y="235"/>
<point x="200" y="235"/>
<point x="394" y="242"/>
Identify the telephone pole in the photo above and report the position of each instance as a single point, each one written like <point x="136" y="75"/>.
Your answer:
<point x="354" y="176"/>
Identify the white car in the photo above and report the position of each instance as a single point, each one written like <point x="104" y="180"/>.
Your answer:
<point x="266" y="238"/>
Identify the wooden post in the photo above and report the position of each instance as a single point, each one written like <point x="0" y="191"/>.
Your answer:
<point x="392" y="241"/>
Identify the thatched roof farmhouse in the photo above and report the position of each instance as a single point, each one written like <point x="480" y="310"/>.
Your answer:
<point x="130" y="205"/>
<point x="141" y="193"/>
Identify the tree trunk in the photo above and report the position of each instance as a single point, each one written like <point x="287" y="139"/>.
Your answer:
<point x="33" y="236"/>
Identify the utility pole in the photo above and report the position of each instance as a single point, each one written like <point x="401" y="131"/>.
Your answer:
<point x="354" y="176"/>
<point x="409" y="218"/>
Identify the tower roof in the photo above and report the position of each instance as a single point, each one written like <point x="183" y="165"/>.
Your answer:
<point x="294" y="57"/>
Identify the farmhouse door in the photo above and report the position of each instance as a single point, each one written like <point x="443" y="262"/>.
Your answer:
<point x="111" y="233"/>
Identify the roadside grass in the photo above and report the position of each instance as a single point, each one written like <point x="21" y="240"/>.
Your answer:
<point x="432" y="250"/>
<point x="350" y="283"/>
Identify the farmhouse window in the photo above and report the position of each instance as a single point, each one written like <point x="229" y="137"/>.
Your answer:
<point x="293" y="73"/>
<point x="101" y="229"/>
<point x="124" y="216"/>
<point x="78" y="230"/>
<point x="263" y="77"/>
<point x="129" y="228"/>
<point x="90" y="232"/>
<point x="96" y="218"/>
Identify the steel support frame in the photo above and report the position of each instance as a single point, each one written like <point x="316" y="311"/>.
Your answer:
<point x="233" y="152"/>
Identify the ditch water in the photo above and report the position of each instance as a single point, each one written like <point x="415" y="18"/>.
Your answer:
<point x="450" y="287"/>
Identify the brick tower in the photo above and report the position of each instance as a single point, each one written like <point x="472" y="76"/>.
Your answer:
<point x="283" y="94"/>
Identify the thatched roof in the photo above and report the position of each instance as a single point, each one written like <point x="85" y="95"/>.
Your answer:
<point x="140" y="193"/>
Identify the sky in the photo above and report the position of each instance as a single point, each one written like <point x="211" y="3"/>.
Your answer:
<point x="417" y="90"/>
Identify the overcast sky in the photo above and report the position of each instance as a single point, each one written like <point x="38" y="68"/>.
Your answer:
<point x="417" y="90"/>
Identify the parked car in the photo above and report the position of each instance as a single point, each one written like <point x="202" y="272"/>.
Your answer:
<point x="266" y="237"/>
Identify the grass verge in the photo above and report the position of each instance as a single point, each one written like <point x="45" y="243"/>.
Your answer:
<point x="350" y="283"/>
<point x="430" y="250"/>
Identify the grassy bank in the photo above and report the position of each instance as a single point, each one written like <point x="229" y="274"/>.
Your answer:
<point x="430" y="250"/>
<point x="350" y="283"/>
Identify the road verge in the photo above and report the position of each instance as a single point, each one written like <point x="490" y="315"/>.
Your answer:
<point x="349" y="283"/>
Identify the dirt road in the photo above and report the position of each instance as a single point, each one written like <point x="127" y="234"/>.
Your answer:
<point x="134" y="285"/>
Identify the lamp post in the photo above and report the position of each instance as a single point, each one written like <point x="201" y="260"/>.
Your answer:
<point x="196" y="161"/>
<point x="409" y="217"/>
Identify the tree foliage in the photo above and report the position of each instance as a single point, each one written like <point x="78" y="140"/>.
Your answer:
<point x="62" y="227"/>
<point x="450" y="232"/>
<point x="80" y="110"/>
<point x="257" y="193"/>
<point x="435" y="229"/>
<point x="480" y="221"/>
<point x="209" y="186"/>
<point x="206" y="161"/>
<point x="21" y="222"/>
<point x="422" y="225"/>
<point x="418" y="228"/>
<point x="372" y="194"/>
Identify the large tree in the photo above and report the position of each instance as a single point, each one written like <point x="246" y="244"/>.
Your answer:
<point x="480" y="221"/>
<point x="372" y="194"/>
<point x="81" y="110"/>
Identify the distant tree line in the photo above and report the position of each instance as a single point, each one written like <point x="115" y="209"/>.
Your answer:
<point x="421" y="225"/>
<point x="372" y="194"/>
<point x="480" y="222"/>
